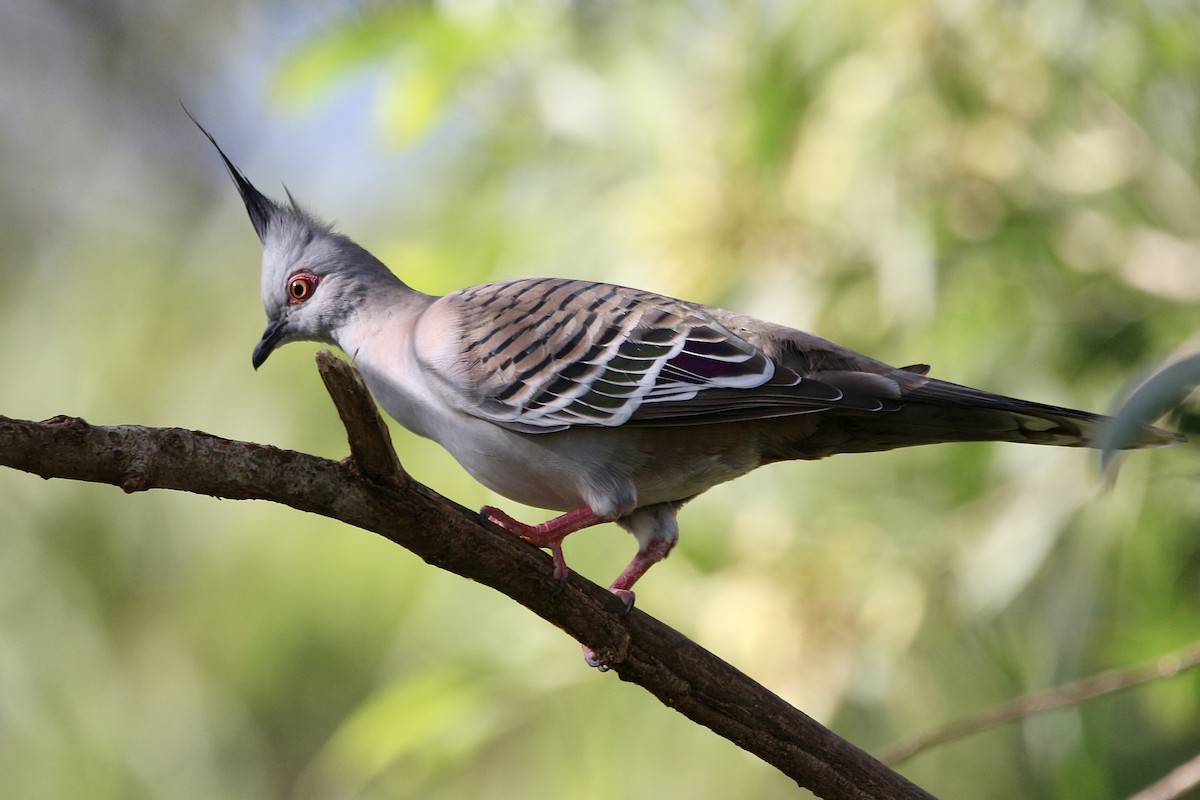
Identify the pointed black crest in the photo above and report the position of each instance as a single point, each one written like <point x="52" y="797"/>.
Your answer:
<point x="260" y="207"/>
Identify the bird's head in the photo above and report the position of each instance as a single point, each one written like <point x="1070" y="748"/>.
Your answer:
<point x="313" y="279"/>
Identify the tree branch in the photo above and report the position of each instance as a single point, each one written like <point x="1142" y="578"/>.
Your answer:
<point x="1113" y="680"/>
<point x="371" y="450"/>
<point x="371" y="491"/>
<point x="1175" y="784"/>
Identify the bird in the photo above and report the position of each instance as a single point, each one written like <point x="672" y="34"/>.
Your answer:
<point x="609" y="403"/>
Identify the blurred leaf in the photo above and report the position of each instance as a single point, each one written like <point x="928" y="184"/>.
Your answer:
<point x="427" y="722"/>
<point x="313" y="69"/>
<point x="415" y="103"/>
<point x="1161" y="392"/>
<point x="432" y="58"/>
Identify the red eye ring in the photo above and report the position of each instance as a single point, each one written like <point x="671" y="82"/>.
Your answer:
<point x="301" y="286"/>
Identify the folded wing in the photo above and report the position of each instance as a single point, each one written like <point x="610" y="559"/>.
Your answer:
<point x="543" y="355"/>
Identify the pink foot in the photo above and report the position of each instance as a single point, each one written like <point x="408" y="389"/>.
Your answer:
<point x="548" y="534"/>
<point x="645" y="558"/>
<point x="593" y="660"/>
<point x="626" y="596"/>
<point x="642" y="561"/>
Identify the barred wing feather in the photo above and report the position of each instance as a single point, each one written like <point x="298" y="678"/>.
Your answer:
<point x="544" y="354"/>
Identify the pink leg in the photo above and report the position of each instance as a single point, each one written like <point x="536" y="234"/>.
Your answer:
<point x="548" y="534"/>
<point x="645" y="558"/>
<point x="655" y="552"/>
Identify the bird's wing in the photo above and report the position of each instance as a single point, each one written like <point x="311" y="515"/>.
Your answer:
<point x="541" y="355"/>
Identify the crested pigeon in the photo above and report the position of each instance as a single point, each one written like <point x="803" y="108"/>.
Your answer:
<point x="604" y="402"/>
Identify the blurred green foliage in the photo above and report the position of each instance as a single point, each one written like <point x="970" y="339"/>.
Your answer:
<point x="1007" y="190"/>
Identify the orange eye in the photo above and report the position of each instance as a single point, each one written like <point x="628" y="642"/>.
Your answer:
<point x="301" y="287"/>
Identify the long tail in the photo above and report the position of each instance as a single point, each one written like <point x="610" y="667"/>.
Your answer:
<point x="939" y="411"/>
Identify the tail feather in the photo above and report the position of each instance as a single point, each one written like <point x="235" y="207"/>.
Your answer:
<point x="960" y="413"/>
<point x="930" y="411"/>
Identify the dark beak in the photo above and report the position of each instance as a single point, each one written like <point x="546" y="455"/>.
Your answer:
<point x="270" y="340"/>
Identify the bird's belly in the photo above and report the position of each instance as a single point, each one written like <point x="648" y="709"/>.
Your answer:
<point x="603" y="468"/>
<point x="534" y="469"/>
<point x="517" y="466"/>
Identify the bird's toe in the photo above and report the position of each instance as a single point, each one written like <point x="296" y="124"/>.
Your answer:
<point x="594" y="660"/>
<point x="626" y="596"/>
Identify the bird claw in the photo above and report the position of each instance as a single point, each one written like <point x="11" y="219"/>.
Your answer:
<point x="561" y="571"/>
<point x="494" y="516"/>
<point x="593" y="660"/>
<point x="626" y="596"/>
<point x="590" y="656"/>
<point x="543" y="536"/>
